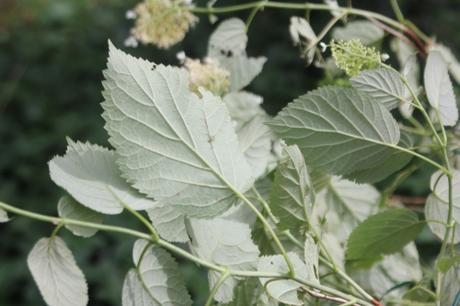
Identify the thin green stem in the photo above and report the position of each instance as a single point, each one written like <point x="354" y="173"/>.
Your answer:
<point x="172" y="248"/>
<point x="265" y="205"/>
<point x="397" y="11"/>
<point x="216" y="287"/>
<point x="56" y="230"/>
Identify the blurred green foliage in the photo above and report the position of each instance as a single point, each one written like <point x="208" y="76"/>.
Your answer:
<point x="52" y="53"/>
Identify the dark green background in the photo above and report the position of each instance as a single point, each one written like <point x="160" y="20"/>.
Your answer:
<point x="52" y="53"/>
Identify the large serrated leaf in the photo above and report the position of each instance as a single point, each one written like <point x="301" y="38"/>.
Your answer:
<point x="284" y="291"/>
<point x="382" y="84"/>
<point x="384" y="233"/>
<point x="437" y="205"/>
<point x="291" y="197"/>
<point x="171" y="145"/>
<point x="56" y="274"/>
<point x="156" y="280"/>
<point x="339" y="130"/>
<point x="91" y="176"/>
<point x="225" y="243"/>
<point x="439" y="89"/>
<point x="367" y="32"/>
<point x="68" y="208"/>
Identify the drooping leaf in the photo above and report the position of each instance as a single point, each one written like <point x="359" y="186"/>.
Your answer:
<point x="156" y="280"/>
<point x="450" y="59"/>
<point x="171" y="145"/>
<point x="303" y="36"/>
<point x="284" y="291"/>
<point x="366" y="31"/>
<point x="256" y="144"/>
<point x="226" y="243"/>
<point x="311" y="256"/>
<point x="292" y="195"/>
<point x="393" y="270"/>
<point x="68" y="208"/>
<point x="437" y="205"/>
<point x="384" y="233"/>
<point x="382" y="84"/>
<point x="90" y="175"/>
<point x="242" y="69"/>
<point x="439" y="89"/>
<point x="3" y="216"/>
<point x="339" y="130"/>
<point x="228" y="38"/>
<point x="56" y="274"/>
<point x="450" y="286"/>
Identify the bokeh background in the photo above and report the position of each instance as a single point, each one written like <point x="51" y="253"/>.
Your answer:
<point x="52" y="53"/>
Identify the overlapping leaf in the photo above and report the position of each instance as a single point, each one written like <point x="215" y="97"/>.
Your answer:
<point x="71" y="209"/>
<point x="292" y="194"/>
<point x="366" y="31"/>
<point x="450" y="286"/>
<point x="339" y="130"/>
<point x="91" y="176"/>
<point x="156" y="280"/>
<point x="56" y="274"/>
<point x="439" y="89"/>
<point x="382" y="84"/>
<point x="172" y="146"/>
<point x="225" y="243"/>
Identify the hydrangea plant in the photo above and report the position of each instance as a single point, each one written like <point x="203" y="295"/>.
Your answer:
<point x="278" y="210"/>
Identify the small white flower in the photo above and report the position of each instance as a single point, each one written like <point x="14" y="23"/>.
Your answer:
<point x="181" y="56"/>
<point x="385" y="57"/>
<point x="323" y="47"/>
<point x="130" y="14"/>
<point x="131" y="41"/>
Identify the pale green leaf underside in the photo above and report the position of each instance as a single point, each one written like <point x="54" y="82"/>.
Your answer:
<point x="243" y="106"/>
<point x="226" y="243"/>
<point x="291" y="196"/>
<point x="56" y="274"/>
<point x="384" y="85"/>
<point x="451" y="285"/>
<point x="68" y="208"/>
<point x="284" y="291"/>
<point x="242" y="69"/>
<point x="249" y="292"/>
<point x="156" y="280"/>
<point x="228" y="38"/>
<point x="169" y="221"/>
<point x="90" y="175"/>
<point x="439" y="89"/>
<point x="384" y="233"/>
<point x="338" y="130"/>
<point x="366" y="31"/>
<point x="311" y="256"/>
<point x="3" y="216"/>
<point x="172" y="146"/>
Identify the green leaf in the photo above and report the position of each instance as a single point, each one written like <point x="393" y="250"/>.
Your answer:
<point x="392" y="271"/>
<point x="90" y="175"/>
<point x="384" y="233"/>
<point x="367" y="32"/>
<point x="68" y="208"/>
<point x="439" y="89"/>
<point x="156" y="280"/>
<point x="226" y="243"/>
<point x="311" y="255"/>
<point x="384" y="168"/>
<point x="171" y="145"/>
<point x="3" y="216"/>
<point x="384" y="85"/>
<point x="284" y="291"/>
<point x="445" y="263"/>
<point x="256" y="143"/>
<point x="243" y="106"/>
<point x="250" y="292"/>
<point x="450" y="286"/>
<point x="339" y="130"/>
<point x="227" y="45"/>
<point x="449" y="58"/>
<point x="437" y="205"/>
<point x="292" y="195"/>
<point x="228" y="38"/>
<point x="56" y="274"/>
<point x="169" y="221"/>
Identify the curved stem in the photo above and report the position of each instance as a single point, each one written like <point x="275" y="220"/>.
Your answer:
<point x="216" y="287"/>
<point x="265" y="205"/>
<point x="172" y="248"/>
